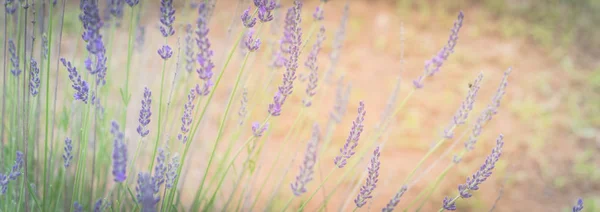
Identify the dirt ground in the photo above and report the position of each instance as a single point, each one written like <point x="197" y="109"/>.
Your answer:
<point x="538" y="145"/>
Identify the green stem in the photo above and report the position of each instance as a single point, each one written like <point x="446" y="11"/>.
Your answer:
<point x="160" y="101"/>
<point x="47" y="106"/>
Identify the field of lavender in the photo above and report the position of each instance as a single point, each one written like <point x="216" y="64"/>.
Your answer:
<point x="273" y="105"/>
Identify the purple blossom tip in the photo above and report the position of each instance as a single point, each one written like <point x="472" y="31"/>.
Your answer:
<point x="258" y="130"/>
<point x="251" y="43"/>
<point x="145" y="192"/>
<point x="311" y="64"/>
<point x="449" y="204"/>
<point x="484" y="171"/>
<point x="14" y="58"/>
<point x="371" y="183"/>
<point x="119" y="154"/>
<point x="395" y="200"/>
<point x="34" y="78"/>
<point x="307" y="167"/>
<point x="247" y="19"/>
<point x="579" y="206"/>
<point x="16" y="168"/>
<point x="167" y="18"/>
<point x="145" y="113"/>
<point x="347" y="150"/>
<point x="132" y="3"/>
<point x="165" y="52"/>
<point x="265" y="9"/>
<point x="68" y="155"/>
<point x="205" y="64"/>
<point x="318" y="14"/>
<point x="81" y="86"/>
<point x="186" y="119"/>
<point x="172" y="171"/>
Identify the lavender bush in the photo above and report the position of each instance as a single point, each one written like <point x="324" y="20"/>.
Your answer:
<point x="58" y="159"/>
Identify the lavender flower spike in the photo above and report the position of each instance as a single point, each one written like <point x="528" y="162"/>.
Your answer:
<point x="14" y="58"/>
<point x="247" y="19"/>
<point x="34" y="78"/>
<point x="461" y="115"/>
<point x="167" y="18"/>
<point x="68" y="155"/>
<point x="160" y="169"/>
<point x="119" y="154"/>
<point x="132" y="3"/>
<point x="10" y="6"/>
<point x="340" y="105"/>
<point x="77" y="207"/>
<point x="307" y="167"/>
<point x="357" y="127"/>
<point x="172" y="171"/>
<point x="318" y="14"/>
<point x="165" y="52"/>
<point x="265" y="9"/>
<point x="3" y="183"/>
<point x="251" y="43"/>
<point x="395" y="200"/>
<point x="145" y="113"/>
<point x="367" y="189"/>
<point x="433" y="66"/>
<point x="479" y="177"/>
<point x="258" y="130"/>
<point x="579" y="206"/>
<point x="186" y="119"/>
<point x="311" y="64"/>
<point x="81" y="86"/>
<point x="145" y="192"/>
<point x="204" y="52"/>
<point x="16" y="168"/>
<point x="189" y="49"/>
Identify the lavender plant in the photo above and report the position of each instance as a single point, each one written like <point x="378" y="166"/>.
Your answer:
<point x="71" y="174"/>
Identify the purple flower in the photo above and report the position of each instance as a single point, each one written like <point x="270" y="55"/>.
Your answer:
<point x="172" y="171"/>
<point x="34" y="78"/>
<point x="487" y="114"/>
<point x="10" y="6"/>
<point x="167" y="18"/>
<point x="338" y="41"/>
<point x="3" y="183"/>
<point x="318" y="14"/>
<point x="132" y="3"/>
<point x="119" y="154"/>
<point x="247" y="19"/>
<point x="189" y="49"/>
<point x="395" y="200"/>
<point x="449" y="204"/>
<point x="145" y="113"/>
<point x="90" y="18"/>
<point x="145" y="192"/>
<point x="258" y="130"/>
<point x="371" y="183"/>
<point x="265" y="9"/>
<point x="140" y="38"/>
<point x="251" y="43"/>
<point x="160" y="170"/>
<point x="307" y="167"/>
<point x="461" y="115"/>
<point x="165" y="52"/>
<point x="81" y="86"/>
<point x="311" y="64"/>
<point x="77" y="207"/>
<point x="116" y="10"/>
<point x="14" y="58"/>
<point x="16" y="168"/>
<point x="482" y="174"/>
<point x="357" y="127"/>
<point x="98" y="206"/>
<point x="68" y="155"/>
<point x="275" y="107"/>
<point x="204" y="52"/>
<point x="342" y="96"/>
<point x="433" y="66"/>
<point x="579" y="206"/>
<point x="186" y="119"/>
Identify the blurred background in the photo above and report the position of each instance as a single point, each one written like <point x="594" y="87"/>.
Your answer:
<point x="550" y="115"/>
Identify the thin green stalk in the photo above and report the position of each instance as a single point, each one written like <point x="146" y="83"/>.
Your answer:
<point x="160" y="103"/>
<point x="286" y="138"/>
<point x="316" y="190"/>
<point x="221" y="127"/>
<point x="430" y="190"/>
<point x="198" y="119"/>
<point x="125" y="95"/>
<point x="47" y="107"/>
<point x="212" y="199"/>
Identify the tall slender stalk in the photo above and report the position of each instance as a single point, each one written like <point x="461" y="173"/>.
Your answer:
<point x="46" y="132"/>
